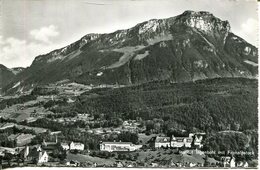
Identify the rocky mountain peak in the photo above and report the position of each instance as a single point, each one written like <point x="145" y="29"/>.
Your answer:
<point x="205" y="22"/>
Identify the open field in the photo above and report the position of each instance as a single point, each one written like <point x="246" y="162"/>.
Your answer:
<point x="87" y="158"/>
<point x="27" y="110"/>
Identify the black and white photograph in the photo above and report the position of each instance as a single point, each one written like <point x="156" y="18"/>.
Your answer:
<point x="129" y="84"/>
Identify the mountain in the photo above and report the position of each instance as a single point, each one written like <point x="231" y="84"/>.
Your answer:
<point x="188" y="47"/>
<point x="6" y="76"/>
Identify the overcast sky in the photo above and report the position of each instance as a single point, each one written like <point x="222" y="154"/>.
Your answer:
<point x="32" y="27"/>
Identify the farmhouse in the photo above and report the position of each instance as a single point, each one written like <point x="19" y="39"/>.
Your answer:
<point x="65" y="146"/>
<point x="43" y="157"/>
<point x="76" y="146"/>
<point x="162" y="142"/>
<point x="118" y="146"/>
<point x="49" y="145"/>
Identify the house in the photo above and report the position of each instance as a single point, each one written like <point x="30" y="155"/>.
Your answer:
<point x="118" y="146"/>
<point x="228" y="161"/>
<point x="73" y="163"/>
<point x="198" y="141"/>
<point x="242" y="164"/>
<point x="65" y="146"/>
<point x="76" y="146"/>
<point x="162" y="142"/>
<point x="38" y="148"/>
<point x="43" y="157"/>
<point x="55" y="133"/>
<point x="154" y="165"/>
<point x="4" y="150"/>
<point x="178" y="142"/>
<point x="245" y="165"/>
<point x="21" y="139"/>
<point x="49" y="145"/>
<point x="26" y="152"/>
<point x="119" y="164"/>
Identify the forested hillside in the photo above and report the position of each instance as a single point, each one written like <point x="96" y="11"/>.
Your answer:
<point x="205" y="105"/>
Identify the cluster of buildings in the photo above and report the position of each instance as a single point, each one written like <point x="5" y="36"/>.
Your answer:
<point x="40" y="154"/>
<point x="72" y="146"/>
<point x="230" y="162"/>
<point x="131" y="126"/>
<point x="158" y="142"/>
<point x="65" y="146"/>
<point x="178" y="142"/>
<point x="35" y="154"/>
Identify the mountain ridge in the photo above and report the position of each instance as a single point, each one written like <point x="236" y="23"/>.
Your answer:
<point x="187" y="47"/>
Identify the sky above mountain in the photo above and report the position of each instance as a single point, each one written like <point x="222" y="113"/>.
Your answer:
<point x="32" y="27"/>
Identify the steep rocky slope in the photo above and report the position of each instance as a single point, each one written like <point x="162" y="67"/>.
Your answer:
<point x="188" y="47"/>
<point x="6" y="76"/>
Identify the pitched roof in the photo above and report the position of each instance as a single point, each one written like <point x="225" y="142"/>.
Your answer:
<point x="64" y="144"/>
<point x="77" y="144"/>
<point x="162" y="139"/>
<point x="181" y="138"/>
<point x="117" y="143"/>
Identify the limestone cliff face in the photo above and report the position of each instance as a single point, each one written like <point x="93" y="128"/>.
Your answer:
<point x="187" y="47"/>
<point x="207" y="24"/>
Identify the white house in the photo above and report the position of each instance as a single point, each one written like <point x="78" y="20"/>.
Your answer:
<point x="65" y="146"/>
<point x="245" y="165"/>
<point x="76" y="146"/>
<point x="43" y="157"/>
<point x="198" y="141"/>
<point x="118" y="146"/>
<point x="228" y="161"/>
<point x="162" y="142"/>
<point x="232" y="162"/>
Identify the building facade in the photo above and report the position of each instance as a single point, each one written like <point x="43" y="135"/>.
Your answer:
<point x="76" y="146"/>
<point x="162" y="142"/>
<point x="118" y="146"/>
<point x="65" y="146"/>
<point x="43" y="157"/>
<point x="178" y="142"/>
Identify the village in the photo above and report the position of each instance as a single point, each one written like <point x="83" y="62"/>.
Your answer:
<point x="156" y="150"/>
<point x="40" y="131"/>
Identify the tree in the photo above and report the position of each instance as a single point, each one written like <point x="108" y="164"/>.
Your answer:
<point x="1" y="161"/>
<point x="206" y="163"/>
<point x="8" y="156"/>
